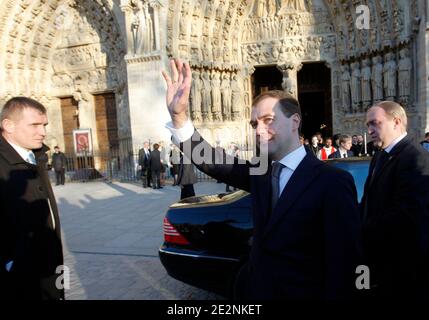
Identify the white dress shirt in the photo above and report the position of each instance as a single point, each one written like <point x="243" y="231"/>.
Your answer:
<point x="395" y="142"/>
<point x="26" y="155"/>
<point x="291" y="161"/>
<point x="182" y="134"/>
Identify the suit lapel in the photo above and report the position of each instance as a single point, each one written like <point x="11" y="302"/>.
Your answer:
<point x="298" y="182"/>
<point x="392" y="155"/>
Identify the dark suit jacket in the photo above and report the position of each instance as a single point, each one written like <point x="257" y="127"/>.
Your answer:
<point x="58" y="161"/>
<point x="395" y="207"/>
<point x="308" y="247"/>
<point x="337" y="154"/>
<point x="155" y="160"/>
<point x="27" y="236"/>
<point x="143" y="159"/>
<point x="186" y="173"/>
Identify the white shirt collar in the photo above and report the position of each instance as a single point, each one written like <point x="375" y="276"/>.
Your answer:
<point x="293" y="159"/>
<point x="21" y="151"/>
<point x="395" y="142"/>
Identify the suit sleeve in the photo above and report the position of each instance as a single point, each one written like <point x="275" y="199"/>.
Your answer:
<point x="216" y="163"/>
<point x="343" y="245"/>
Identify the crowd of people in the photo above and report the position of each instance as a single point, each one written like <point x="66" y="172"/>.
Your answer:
<point x="338" y="146"/>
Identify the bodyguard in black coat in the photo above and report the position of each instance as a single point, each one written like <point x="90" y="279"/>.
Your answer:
<point x="303" y="246"/>
<point x="155" y="167"/>
<point x="395" y="208"/>
<point x="31" y="256"/>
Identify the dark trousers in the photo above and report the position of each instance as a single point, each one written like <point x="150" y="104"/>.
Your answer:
<point x="156" y="179"/>
<point x="187" y="191"/>
<point x="146" y="177"/>
<point x="60" y="176"/>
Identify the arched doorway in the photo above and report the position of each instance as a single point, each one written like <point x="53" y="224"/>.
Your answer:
<point x="314" y="95"/>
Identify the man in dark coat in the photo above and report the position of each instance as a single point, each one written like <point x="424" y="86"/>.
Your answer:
<point x="395" y="208"/>
<point x="144" y="164"/>
<point x="303" y="247"/>
<point x="59" y="165"/>
<point x="155" y="167"/>
<point x="31" y="257"/>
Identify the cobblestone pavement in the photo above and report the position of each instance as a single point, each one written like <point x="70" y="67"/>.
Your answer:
<point x="111" y="235"/>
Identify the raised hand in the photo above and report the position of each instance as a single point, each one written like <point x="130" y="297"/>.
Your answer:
<point x="178" y="90"/>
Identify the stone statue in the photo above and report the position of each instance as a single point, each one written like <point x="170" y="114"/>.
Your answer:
<point x="237" y="97"/>
<point x="345" y="86"/>
<point x="272" y="8"/>
<point x="297" y="5"/>
<point x="389" y="75"/>
<point x="142" y="26"/>
<point x="261" y="8"/>
<point x="377" y="79"/>
<point x="206" y="97"/>
<point x="366" y="83"/>
<point x="356" y="86"/>
<point x="288" y="83"/>
<point x="404" y="75"/>
<point x="216" y="97"/>
<point x="196" y="96"/>
<point x="225" y="89"/>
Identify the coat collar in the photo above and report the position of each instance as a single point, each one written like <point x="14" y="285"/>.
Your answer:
<point x="10" y="154"/>
<point x="392" y="155"/>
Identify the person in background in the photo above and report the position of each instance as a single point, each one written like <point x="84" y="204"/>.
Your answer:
<point x="314" y="146"/>
<point x="175" y="163"/>
<point x="425" y="142"/>
<point x="144" y="165"/>
<point x="326" y="150"/>
<point x="186" y="178"/>
<point x="344" y="148"/>
<point x="59" y="162"/>
<point x="155" y="167"/>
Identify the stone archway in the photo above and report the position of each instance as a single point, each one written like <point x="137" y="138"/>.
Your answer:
<point x="233" y="36"/>
<point x="64" y="48"/>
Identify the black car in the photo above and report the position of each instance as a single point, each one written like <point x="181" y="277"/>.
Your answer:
<point x="208" y="238"/>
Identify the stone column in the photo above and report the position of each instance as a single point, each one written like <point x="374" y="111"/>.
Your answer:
<point x="156" y="7"/>
<point x="128" y="12"/>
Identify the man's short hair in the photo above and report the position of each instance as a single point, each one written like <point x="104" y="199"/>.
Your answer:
<point x="344" y="138"/>
<point x="426" y="134"/>
<point x="56" y="147"/>
<point x="156" y="146"/>
<point x="289" y="105"/>
<point x="394" y="110"/>
<point x="14" y="107"/>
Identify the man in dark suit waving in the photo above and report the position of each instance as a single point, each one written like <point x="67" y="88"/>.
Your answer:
<point x="396" y="207"/>
<point x="303" y="247"/>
